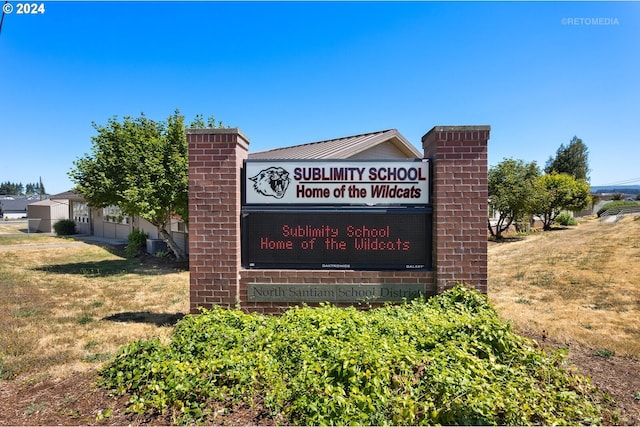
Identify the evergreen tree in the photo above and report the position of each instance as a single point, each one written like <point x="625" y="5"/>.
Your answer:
<point x="11" y="188"/>
<point x="572" y="160"/>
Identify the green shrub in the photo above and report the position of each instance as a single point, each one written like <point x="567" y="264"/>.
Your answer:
<point x="617" y="205"/>
<point x="162" y="254"/>
<point x="65" y="227"/>
<point x="449" y="360"/>
<point x="136" y="240"/>
<point x="566" y="218"/>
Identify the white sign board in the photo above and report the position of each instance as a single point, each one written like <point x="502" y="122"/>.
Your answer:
<point x="337" y="182"/>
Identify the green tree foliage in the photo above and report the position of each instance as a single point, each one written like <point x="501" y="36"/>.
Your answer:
<point x="35" y="188"/>
<point x="17" y="189"/>
<point x="31" y="188"/>
<point x="141" y="166"/>
<point x="199" y="123"/>
<point x="572" y="160"/>
<point x="556" y="192"/>
<point x="510" y="185"/>
<point x="11" y="188"/>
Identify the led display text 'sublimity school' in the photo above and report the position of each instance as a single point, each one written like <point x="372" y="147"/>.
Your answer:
<point x="337" y="240"/>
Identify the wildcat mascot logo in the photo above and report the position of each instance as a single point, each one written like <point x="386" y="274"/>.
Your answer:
<point x="272" y="182"/>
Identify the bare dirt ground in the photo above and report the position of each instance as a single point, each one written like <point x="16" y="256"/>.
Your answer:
<point x="616" y="377"/>
<point x="75" y="400"/>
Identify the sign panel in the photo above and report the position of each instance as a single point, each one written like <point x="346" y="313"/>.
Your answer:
<point x="336" y="182"/>
<point x="335" y="293"/>
<point x="393" y="239"/>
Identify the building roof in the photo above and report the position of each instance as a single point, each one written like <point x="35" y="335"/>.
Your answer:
<point x="341" y="148"/>
<point x="73" y="195"/>
<point x="17" y="203"/>
<point x="48" y="202"/>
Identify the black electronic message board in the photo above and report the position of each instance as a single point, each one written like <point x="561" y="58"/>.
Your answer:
<point x="380" y="240"/>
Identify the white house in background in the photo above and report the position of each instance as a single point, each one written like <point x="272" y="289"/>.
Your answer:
<point x="15" y="207"/>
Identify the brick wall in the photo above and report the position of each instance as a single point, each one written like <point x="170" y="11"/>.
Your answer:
<point x="215" y="162"/>
<point x="459" y="161"/>
<point x="459" y="197"/>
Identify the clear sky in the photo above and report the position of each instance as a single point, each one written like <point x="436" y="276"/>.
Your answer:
<point x="288" y="73"/>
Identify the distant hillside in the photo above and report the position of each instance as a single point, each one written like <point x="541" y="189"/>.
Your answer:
<point x="625" y="189"/>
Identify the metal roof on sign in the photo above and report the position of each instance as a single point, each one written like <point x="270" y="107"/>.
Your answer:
<point x="340" y="148"/>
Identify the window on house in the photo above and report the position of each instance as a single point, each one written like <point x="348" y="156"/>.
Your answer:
<point x="80" y="213"/>
<point x="178" y="225"/>
<point x="115" y="215"/>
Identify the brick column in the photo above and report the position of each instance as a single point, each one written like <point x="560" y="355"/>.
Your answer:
<point x="459" y="162"/>
<point x="215" y="162"/>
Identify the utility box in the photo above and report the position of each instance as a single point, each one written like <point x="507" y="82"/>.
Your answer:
<point x="156" y="245"/>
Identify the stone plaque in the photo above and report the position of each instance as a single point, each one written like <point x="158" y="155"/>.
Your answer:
<point x="333" y="293"/>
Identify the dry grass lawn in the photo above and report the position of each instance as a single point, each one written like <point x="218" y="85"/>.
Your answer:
<point x="14" y="232"/>
<point x="67" y="309"/>
<point x="576" y="285"/>
<point x="12" y="226"/>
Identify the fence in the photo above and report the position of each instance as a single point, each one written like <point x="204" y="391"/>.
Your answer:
<point x="617" y="213"/>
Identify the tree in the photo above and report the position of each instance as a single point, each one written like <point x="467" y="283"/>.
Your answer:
<point x="557" y="192"/>
<point x="199" y="123"/>
<point x="11" y="188"/>
<point x="572" y="160"/>
<point x="141" y="166"/>
<point x="35" y="188"/>
<point x="510" y="184"/>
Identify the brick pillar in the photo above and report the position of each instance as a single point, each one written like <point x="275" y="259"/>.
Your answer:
<point x="215" y="162"/>
<point x="460" y="197"/>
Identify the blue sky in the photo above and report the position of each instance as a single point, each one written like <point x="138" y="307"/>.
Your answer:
<point x="288" y="73"/>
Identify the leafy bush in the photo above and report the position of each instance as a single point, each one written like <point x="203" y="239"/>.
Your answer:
<point x="565" y="218"/>
<point x="65" y="227"/>
<point x="617" y="205"/>
<point x="449" y="360"/>
<point x="162" y="254"/>
<point x="136" y="240"/>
